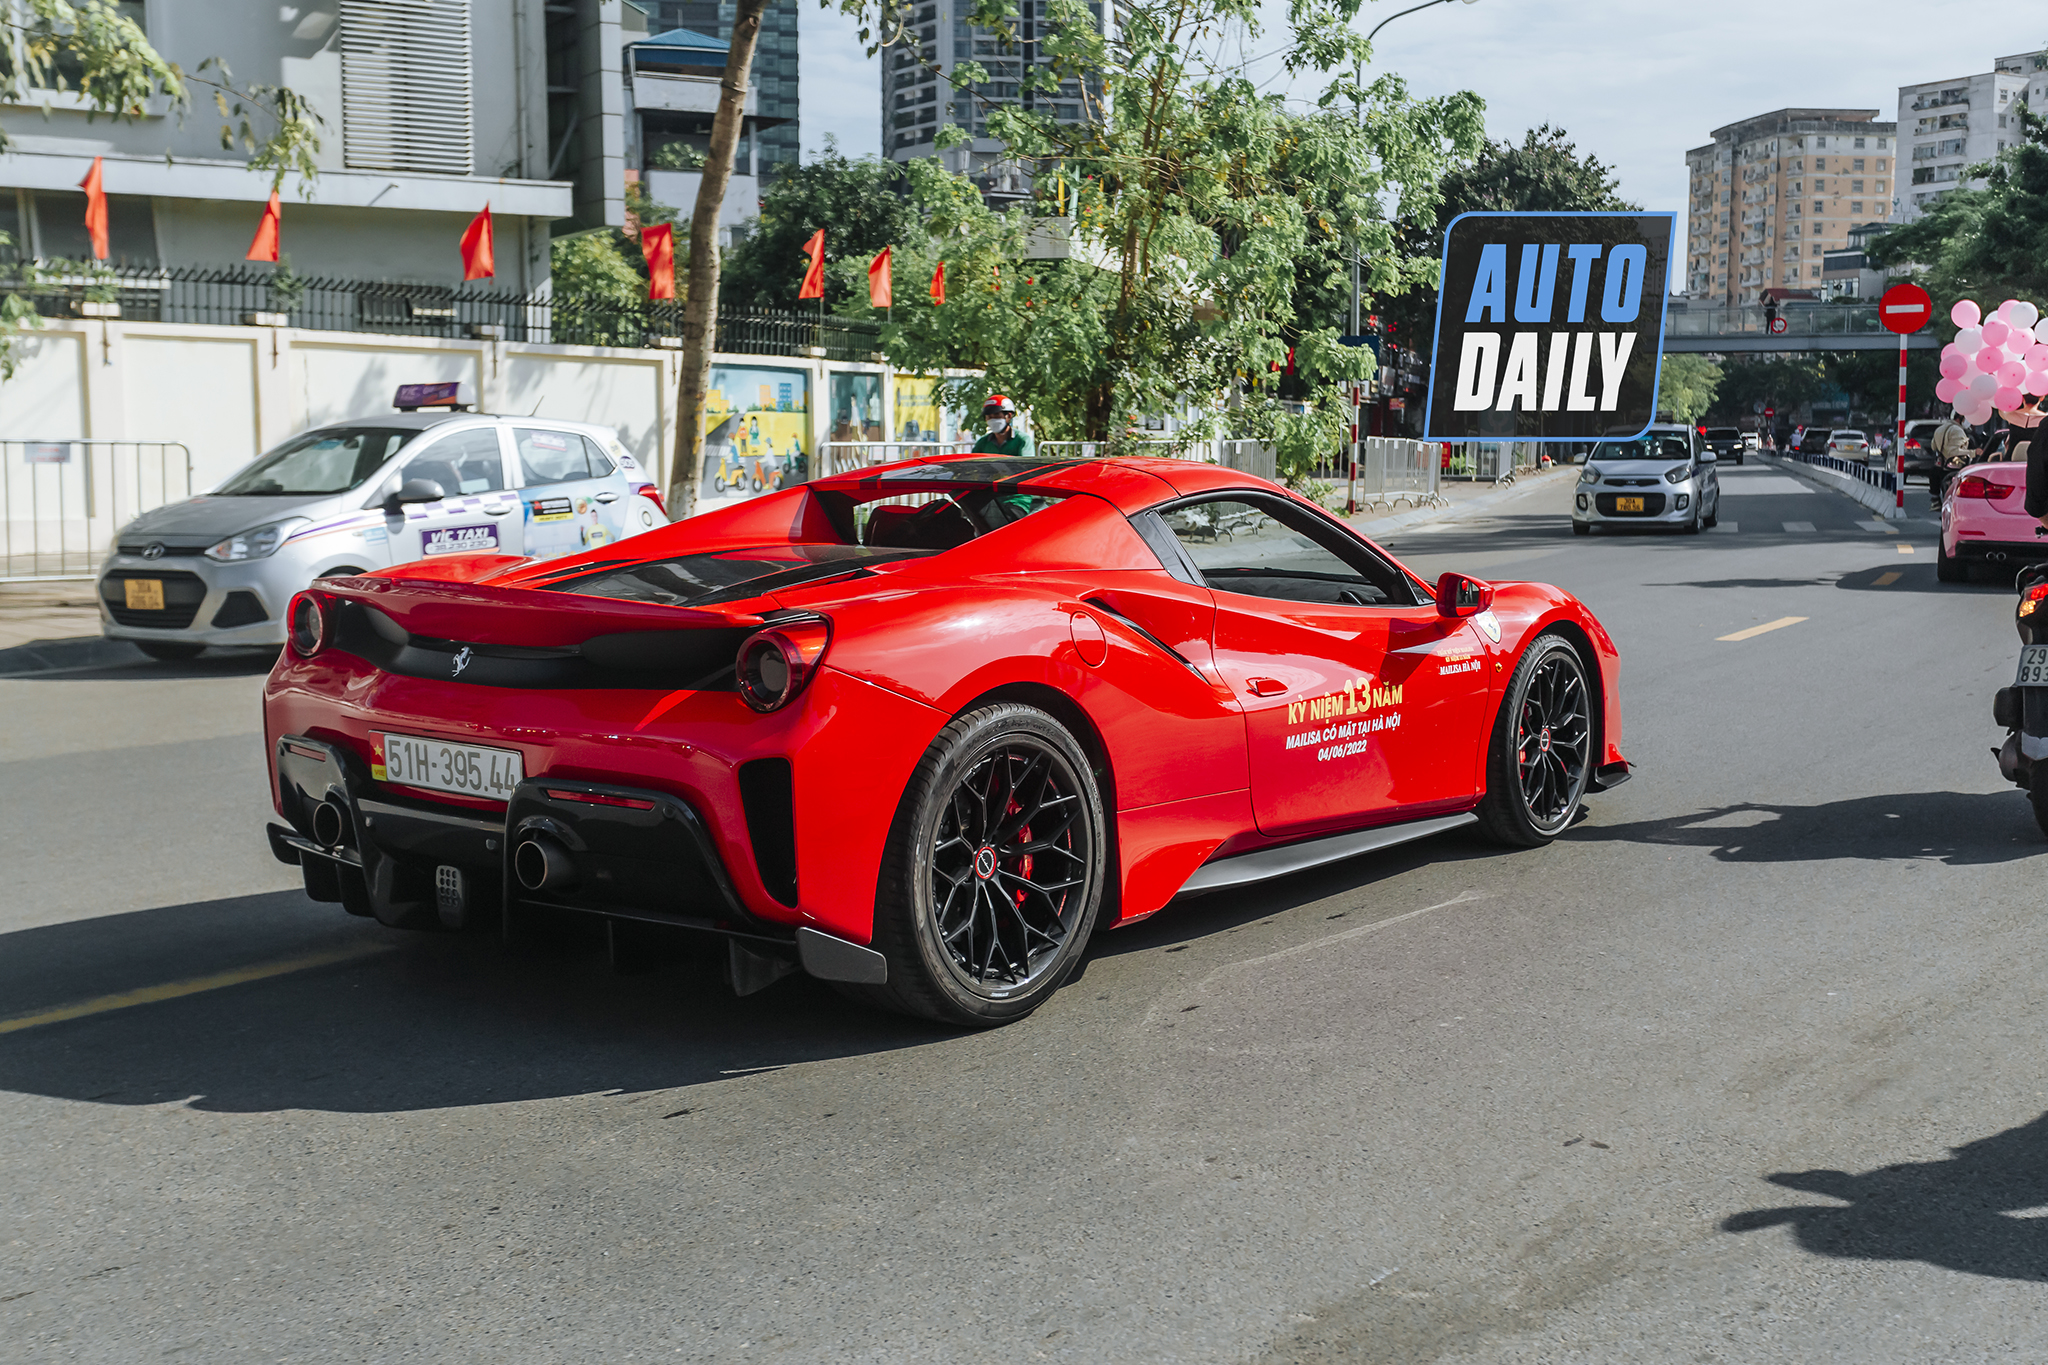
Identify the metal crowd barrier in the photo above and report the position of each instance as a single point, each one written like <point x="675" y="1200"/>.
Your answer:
<point x="840" y="457"/>
<point x="1879" y="477"/>
<point x="61" y="501"/>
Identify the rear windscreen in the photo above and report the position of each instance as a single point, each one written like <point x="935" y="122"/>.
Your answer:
<point x="727" y="575"/>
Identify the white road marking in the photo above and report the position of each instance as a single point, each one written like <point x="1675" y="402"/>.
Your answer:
<point x="1905" y="549"/>
<point x="1883" y="526"/>
<point x="1755" y="631"/>
<point x="1805" y="526"/>
<point x="1731" y="527"/>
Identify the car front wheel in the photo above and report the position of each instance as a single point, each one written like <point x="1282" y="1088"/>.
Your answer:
<point x="1542" y="749"/>
<point x="994" y="871"/>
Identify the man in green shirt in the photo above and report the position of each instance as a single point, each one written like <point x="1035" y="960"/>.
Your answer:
<point x="1003" y="438"/>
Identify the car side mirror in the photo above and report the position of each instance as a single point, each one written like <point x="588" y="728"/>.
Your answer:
<point x="1458" y="596"/>
<point x="1709" y="457"/>
<point x="413" y="490"/>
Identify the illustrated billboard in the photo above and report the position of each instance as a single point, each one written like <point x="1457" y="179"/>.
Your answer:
<point x="756" y="429"/>
<point x="1550" y="326"/>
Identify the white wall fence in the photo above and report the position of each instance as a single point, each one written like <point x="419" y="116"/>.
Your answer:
<point x="62" y="501"/>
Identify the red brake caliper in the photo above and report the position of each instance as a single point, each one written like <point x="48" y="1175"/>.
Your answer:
<point x="1024" y="860"/>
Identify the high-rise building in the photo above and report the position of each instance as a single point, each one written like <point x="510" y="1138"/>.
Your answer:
<point x="774" y="79"/>
<point x="1771" y="195"/>
<point x="1951" y="125"/>
<point x="918" y="100"/>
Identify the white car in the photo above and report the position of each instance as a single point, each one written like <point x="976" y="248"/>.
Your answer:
<point x="1847" y="444"/>
<point x="219" y="569"/>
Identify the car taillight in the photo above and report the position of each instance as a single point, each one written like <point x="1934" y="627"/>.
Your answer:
<point x="775" y="664"/>
<point x="1912" y="443"/>
<point x="307" y="625"/>
<point x="652" y="494"/>
<point x="1976" y="486"/>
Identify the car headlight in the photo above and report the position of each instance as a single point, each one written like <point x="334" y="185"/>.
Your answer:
<point x="258" y="543"/>
<point x="1589" y="475"/>
<point x="1678" y="475"/>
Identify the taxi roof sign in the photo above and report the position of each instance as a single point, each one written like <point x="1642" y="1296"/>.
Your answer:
<point x="459" y="395"/>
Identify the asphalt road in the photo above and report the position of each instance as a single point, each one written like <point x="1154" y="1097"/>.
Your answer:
<point x="1744" y="1068"/>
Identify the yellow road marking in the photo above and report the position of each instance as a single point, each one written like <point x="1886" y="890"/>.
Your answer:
<point x="171" y="990"/>
<point x="1885" y="580"/>
<point x="1905" y="549"/>
<point x="1753" y="631"/>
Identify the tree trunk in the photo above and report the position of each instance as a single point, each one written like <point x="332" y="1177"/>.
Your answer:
<point x="700" y="308"/>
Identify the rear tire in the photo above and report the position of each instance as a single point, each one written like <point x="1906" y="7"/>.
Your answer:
<point x="166" y="651"/>
<point x="1947" y="568"/>
<point x="2037" y="795"/>
<point x="980" y="916"/>
<point x="1541" y="755"/>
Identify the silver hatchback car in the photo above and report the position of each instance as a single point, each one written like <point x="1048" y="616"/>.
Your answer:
<point x="221" y="568"/>
<point x="1665" y="477"/>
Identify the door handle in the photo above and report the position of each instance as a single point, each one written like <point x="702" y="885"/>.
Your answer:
<point x="498" y="511"/>
<point x="607" y="497"/>
<point x="1264" y="687"/>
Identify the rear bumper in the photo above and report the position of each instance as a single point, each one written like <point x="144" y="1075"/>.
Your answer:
<point x="633" y="854"/>
<point x="2001" y="551"/>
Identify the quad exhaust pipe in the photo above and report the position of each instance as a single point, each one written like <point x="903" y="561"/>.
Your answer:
<point x="542" y="864"/>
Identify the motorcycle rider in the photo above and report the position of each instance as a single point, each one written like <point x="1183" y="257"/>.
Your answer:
<point x="1950" y="447"/>
<point x="1003" y="438"/>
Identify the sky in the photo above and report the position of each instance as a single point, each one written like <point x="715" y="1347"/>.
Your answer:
<point x="1635" y="82"/>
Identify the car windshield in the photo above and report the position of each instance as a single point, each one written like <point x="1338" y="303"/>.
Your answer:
<point x="1848" y="436"/>
<point x="331" y="460"/>
<point x="1650" y="447"/>
<point x="1723" y="434"/>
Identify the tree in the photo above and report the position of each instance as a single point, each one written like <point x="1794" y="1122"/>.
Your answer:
<point x="94" y="49"/>
<point x="862" y="205"/>
<point x="1686" y="385"/>
<point x="1989" y="244"/>
<point x="1544" y="173"/>
<point x="1783" y="381"/>
<point x="1205" y="228"/>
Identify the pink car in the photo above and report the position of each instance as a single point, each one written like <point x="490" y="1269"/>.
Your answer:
<point x="1984" y="521"/>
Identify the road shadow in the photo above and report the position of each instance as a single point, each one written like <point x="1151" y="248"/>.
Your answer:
<point x="1959" y="829"/>
<point x="414" y="1021"/>
<point x="1959" y="1213"/>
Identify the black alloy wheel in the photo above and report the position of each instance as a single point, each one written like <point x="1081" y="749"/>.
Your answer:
<point x="994" y="872"/>
<point x="1542" y="753"/>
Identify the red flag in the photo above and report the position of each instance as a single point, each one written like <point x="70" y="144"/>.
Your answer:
<point x="939" y="285"/>
<point x="264" y="246"/>
<point x="95" y="210"/>
<point x="477" y="262"/>
<point x="814" y="275"/>
<point x="658" y="245"/>
<point x="880" y="293"/>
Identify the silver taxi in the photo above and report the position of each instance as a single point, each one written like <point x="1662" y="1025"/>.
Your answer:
<point x="220" y="569"/>
<point x="1665" y="477"/>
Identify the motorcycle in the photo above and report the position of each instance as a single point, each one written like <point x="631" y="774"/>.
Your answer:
<point x="2023" y="708"/>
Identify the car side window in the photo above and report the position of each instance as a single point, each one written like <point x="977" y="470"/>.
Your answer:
<point x="462" y="462"/>
<point x="1264" y="548"/>
<point x="557" y="457"/>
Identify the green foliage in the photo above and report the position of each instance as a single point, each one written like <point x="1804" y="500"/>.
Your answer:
<point x="17" y="311"/>
<point x="1686" y="385"/>
<point x="857" y="201"/>
<point x="593" y="268"/>
<point x="1989" y="244"/>
<point x="650" y="212"/>
<point x="1213" y="227"/>
<point x="97" y="48"/>
<point x="676" y="156"/>
<point x="1544" y="173"/>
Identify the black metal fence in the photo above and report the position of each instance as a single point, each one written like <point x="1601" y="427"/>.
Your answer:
<point x="233" y="295"/>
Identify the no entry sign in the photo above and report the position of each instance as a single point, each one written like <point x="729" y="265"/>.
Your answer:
<point x="1550" y="326"/>
<point x="1905" y="308"/>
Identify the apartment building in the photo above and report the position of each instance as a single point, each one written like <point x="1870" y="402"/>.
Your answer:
<point x="918" y="100"/>
<point x="433" y="108"/>
<point x="1771" y="195"/>
<point x="772" y="86"/>
<point x="1947" y="126"/>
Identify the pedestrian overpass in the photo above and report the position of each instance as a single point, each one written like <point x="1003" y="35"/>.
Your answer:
<point x="1807" y="326"/>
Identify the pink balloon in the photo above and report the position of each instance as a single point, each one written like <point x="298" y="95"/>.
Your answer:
<point x="1988" y="359"/>
<point x="1983" y="385"/>
<point x="1995" y="331"/>
<point x="1947" y="390"/>
<point x="2010" y="375"/>
<point x="1969" y="341"/>
<point x="1954" y="363"/>
<point x="2004" y="310"/>
<point x="2007" y="399"/>
<point x="2037" y="382"/>
<point x="2037" y="356"/>
<point x="1965" y="313"/>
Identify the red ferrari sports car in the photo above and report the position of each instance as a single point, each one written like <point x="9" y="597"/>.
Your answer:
<point x="920" y="729"/>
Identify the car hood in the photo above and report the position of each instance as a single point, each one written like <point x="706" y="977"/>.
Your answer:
<point x="1631" y="469"/>
<point x="221" y="516"/>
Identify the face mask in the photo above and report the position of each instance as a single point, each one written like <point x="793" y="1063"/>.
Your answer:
<point x="998" y="425"/>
